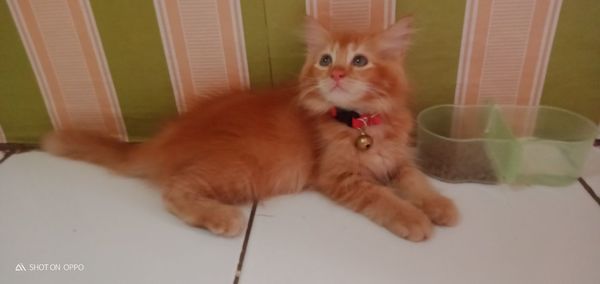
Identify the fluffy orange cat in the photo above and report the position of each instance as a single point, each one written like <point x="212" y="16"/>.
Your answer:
<point x="344" y="131"/>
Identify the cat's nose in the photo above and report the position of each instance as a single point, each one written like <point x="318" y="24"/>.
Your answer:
<point x="337" y="74"/>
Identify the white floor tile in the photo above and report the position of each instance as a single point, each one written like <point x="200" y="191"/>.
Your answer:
<point x="57" y="211"/>
<point x="528" y="235"/>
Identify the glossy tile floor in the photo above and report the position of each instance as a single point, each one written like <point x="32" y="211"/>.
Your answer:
<point x="69" y="222"/>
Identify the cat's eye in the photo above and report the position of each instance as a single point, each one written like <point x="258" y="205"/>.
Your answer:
<point x="359" y="60"/>
<point x="325" y="60"/>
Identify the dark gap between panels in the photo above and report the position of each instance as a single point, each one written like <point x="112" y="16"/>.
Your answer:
<point x="589" y="189"/>
<point x="8" y="149"/>
<point x="238" y="271"/>
<point x="5" y="155"/>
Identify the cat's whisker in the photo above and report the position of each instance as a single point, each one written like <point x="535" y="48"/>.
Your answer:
<point x="383" y="104"/>
<point x="307" y="90"/>
<point x="376" y="89"/>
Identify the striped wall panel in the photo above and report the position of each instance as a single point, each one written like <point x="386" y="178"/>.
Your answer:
<point x="204" y="46"/>
<point x="62" y="44"/>
<point x="122" y="67"/>
<point x="355" y="15"/>
<point x="505" y="50"/>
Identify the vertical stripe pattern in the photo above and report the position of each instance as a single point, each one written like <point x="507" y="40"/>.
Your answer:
<point x="204" y="46"/>
<point x="123" y="67"/>
<point x="353" y="15"/>
<point x="505" y="50"/>
<point x="63" y="46"/>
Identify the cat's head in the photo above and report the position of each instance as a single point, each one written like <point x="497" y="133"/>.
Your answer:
<point x="362" y="72"/>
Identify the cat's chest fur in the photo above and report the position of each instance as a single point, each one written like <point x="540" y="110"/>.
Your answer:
<point x="380" y="161"/>
<point x="384" y="156"/>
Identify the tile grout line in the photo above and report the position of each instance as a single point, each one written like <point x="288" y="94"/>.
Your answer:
<point x="7" y="154"/>
<point x="15" y="148"/>
<point x="238" y="271"/>
<point x="589" y="189"/>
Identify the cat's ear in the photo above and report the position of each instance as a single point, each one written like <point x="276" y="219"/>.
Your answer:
<point x="315" y="36"/>
<point x="396" y="39"/>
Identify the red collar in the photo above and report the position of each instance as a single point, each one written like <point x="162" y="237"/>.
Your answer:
<point x="354" y="119"/>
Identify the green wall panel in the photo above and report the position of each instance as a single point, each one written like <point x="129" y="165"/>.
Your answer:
<point x="257" y="42"/>
<point x="23" y="115"/>
<point x="432" y="60"/>
<point x="131" y="39"/>
<point x="573" y="78"/>
<point x="273" y="32"/>
<point x="284" y="23"/>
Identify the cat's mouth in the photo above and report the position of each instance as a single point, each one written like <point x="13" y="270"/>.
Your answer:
<point x="340" y="93"/>
<point x="337" y="87"/>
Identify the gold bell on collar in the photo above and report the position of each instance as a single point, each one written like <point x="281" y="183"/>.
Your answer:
<point x="363" y="142"/>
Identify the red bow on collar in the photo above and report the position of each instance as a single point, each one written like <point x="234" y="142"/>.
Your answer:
<point x="366" y="120"/>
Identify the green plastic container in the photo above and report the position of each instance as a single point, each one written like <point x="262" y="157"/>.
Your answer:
<point x="503" y="144"/>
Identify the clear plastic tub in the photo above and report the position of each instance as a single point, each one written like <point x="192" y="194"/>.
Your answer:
<point x="503" y="144"/>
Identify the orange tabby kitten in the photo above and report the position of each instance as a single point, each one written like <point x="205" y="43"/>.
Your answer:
<point x="344" y="132"/>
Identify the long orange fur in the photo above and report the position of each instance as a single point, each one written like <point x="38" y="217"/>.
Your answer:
<point x="244" y="146"/>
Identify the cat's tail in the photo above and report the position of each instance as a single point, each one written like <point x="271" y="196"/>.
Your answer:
<point x="94" y="148"/>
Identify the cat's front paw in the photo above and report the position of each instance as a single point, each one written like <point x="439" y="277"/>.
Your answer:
<point x="231" y="227"/>
<point x="410" y="223"/>
<point x="441" y="210"/>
